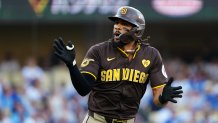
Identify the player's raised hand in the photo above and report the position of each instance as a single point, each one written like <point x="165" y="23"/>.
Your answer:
<point x="169" y="93"/>
<point x="65" y="52"/>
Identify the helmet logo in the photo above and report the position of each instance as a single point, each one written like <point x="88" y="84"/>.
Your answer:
<point x="123" y="11"/>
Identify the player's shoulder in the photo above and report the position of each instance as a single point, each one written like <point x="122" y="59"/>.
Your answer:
<point x="149" y="49"/>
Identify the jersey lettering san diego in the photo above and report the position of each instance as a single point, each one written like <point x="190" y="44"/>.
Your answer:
<point x="127" y="74"/>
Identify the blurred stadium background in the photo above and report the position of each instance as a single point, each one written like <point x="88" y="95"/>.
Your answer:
<point x="35" y="87"/>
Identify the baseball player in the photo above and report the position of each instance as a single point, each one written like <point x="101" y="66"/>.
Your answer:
<point x="115" y="73"/>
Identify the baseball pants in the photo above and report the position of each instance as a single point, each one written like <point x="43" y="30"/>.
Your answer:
<point x="96" y="118"/>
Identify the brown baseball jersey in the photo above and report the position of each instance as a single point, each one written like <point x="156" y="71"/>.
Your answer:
<point x="120" y="83"/>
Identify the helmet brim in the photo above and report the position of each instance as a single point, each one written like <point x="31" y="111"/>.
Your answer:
<point x="118" y="18"/>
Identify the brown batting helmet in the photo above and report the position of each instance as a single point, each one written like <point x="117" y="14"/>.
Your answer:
<point x="132" y="16"/>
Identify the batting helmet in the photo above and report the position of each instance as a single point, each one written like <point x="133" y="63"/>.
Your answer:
<point x="132" y="16"/>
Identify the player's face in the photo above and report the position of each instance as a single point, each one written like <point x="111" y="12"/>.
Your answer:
<point x="121" y="27"/>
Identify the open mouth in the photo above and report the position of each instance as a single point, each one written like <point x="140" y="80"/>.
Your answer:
<point x="117" y="35"/>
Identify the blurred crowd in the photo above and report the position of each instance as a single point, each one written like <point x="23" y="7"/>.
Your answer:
<point x="42" y="93"/>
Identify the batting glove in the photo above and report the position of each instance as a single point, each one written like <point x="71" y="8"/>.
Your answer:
<point x="65" y="52"/>
<point x="169" y="93"/>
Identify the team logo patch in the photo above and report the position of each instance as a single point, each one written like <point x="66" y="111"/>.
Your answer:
<point x="86" y="61"/>
<point x="123" y="11"/>
<point x="145" y="62"/>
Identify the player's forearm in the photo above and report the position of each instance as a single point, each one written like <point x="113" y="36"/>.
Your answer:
<point x="157" y="101"/>
<point x="156" y="93"/>
<point x="80" y="83"/>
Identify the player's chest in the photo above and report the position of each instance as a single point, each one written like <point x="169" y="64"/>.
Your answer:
<point x="138" y="62"/>
<point x="118" y="67"/>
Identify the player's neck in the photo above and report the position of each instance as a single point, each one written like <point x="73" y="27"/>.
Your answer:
<point x="130" y="47"/>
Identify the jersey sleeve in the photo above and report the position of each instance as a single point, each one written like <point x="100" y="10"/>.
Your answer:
<point x="158" y="75"/>
<point x="90" y="63"/>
